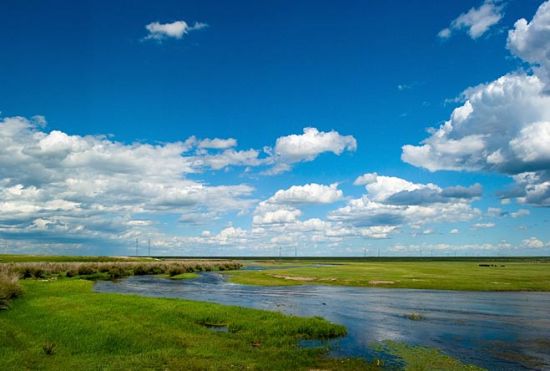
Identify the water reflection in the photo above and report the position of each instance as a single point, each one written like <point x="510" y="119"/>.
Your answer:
<point x="495" y="330"/>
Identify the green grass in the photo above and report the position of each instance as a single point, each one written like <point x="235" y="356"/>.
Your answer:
<point x="13" y="258"/>
<point x="184" y="276"/>
<point x="85" y="330"/>
<point x="418" y="358"/>
<point x="507" y="275"/>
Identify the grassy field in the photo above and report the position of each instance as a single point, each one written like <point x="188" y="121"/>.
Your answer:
<point x="478" y="275"/>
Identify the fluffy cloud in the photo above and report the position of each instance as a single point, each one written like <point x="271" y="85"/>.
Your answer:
<point x="230" y="157"/>
<point x="531" y="41"/>
<point x="307" y="146"/>
<point x="475" y="21"/>
<point x="484" y="225"/>
<point x="532" y="243"/>
<point x="392" y="202"/>
<point x="217" y="143"/>
<point x="93" y="190"/>
<point x="278" y="218"/>
<point x="282" y="207"/>
<point x="80" y="187"/>
<point x="308" y="194"/>
<point x="502" y="126"/>
<point x="160" y="31"/>
<point x="276" y="215"/>
<point x="519" y="213"/>
<point x="219" y="153"/>
<point x="397" y="191"/>
<point x="531" y="188"/>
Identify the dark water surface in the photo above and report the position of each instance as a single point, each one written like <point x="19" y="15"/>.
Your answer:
<point x="494" y="330"/>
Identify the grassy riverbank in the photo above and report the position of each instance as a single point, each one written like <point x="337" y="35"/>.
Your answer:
<point x="62" y="324"/>
<point x="88" y="331"/>
<point x="10" y="273"/>
<point x="477" y="275"/>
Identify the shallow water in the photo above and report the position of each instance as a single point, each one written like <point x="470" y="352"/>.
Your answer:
<point x="494" y="330"/>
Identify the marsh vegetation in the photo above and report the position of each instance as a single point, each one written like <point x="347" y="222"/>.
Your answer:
<point x="9" y="286"/>
<point x="114" y="270"/>
<point x="11" y="273"/>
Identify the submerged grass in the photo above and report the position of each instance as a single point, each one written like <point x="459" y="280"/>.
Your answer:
<point x="184" y="276"/>
<point x="513" y="275"/>
<point x="63" y="324"/>
<point x="417" y="358"/>
<point x="414" y="316"/>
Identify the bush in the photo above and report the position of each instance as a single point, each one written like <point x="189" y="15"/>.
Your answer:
<point x="71" y="273"/>
<point x="117" y="272"/>
<point x="49" y="348"/>
<point x="141" y="270"/>
<point x="175" y="270"/>
<point x="9" y="287"/>
<point x="85" y="269"/>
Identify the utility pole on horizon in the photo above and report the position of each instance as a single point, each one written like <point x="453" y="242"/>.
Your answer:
<point x="137" y="244"/>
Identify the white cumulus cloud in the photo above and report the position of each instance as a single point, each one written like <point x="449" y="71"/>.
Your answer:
<point x="307" y="194"/>
<point x="395" y="202"/>
<point x="307" y="146"/>
<point x="531" y="42"/>
<point x="475" y="21"/>
<point x="160" y="31"/>
<point x="532" y="243"/>
<point x="81" y="187"/>
<point x="503" y="126"/>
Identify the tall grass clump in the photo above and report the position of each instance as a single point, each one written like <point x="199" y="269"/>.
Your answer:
<point x="9" y="286"/>
<point x="115" y="270"/>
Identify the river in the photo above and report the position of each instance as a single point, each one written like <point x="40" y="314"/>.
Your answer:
<point x="494" y="330"/>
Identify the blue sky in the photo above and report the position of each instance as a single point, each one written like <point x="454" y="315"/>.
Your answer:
<point x="110" y="113"/>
